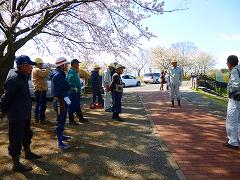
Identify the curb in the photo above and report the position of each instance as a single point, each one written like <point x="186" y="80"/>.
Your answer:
<point x="163" y="146"/>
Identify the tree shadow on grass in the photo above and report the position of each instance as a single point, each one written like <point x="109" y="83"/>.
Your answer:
<point x="101" y="149"/>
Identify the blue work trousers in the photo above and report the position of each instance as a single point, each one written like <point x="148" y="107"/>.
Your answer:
<point x="117" y="97"/>
<point x="20" y="134"/>
<point x="74" y="107"/>
<point x="41" y="101"/>
<point x="97" y="94"/>
<point x="60" y="107"/>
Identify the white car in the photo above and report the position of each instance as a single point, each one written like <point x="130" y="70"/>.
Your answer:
<point x="151" y="78"/>
<point x="129" y="80"/>
<point x="49" y="93"/>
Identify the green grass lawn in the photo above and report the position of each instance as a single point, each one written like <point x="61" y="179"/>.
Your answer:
<point x="222" y="101"/>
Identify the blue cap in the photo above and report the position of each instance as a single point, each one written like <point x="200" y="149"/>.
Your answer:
<point x="23" y="59"/>
<point x="75" y="61"/>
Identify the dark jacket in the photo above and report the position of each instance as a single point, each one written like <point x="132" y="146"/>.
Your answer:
<point x="95" y="80"/>
<point x="60" y="86"/>
<point x="16" y="101"/>
<point x="116" y="80"/>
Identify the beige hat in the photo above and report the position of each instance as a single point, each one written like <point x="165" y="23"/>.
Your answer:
<point x="96" y="66"/>
<point x="120" y="66"/>
<point x="174" y="60"/>
<point x="111" y="65"/>
<point x="38" y="61"/>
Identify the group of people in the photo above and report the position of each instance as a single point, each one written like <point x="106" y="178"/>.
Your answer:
<point x="113" y="89"/>
<point x="66" y="88"/>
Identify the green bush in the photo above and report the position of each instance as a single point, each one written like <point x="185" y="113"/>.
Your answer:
<point x="221" y="91"/>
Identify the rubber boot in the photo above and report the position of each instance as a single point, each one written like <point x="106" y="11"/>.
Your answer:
<point x="172" y="103"/>
<point x="66" y="138"/>
<point x="114" y="116"/>
<point x="60" y="141"/>
<point x="29" y="154"/>
<point x="71" y="119"/>
<point x="42" y="121"/>
<point x="118" y="117"/>
<point x="179" y="103"/>
<point x="17" y="166"/>
<point x="80" y="117"/>
<point x="36" y="119"/>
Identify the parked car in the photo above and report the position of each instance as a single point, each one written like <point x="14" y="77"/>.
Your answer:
<point x="49" y="93"/>
<point x="129" y="80"/>
<point x="151" y="78"/>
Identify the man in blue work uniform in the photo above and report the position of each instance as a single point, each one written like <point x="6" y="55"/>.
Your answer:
<point x="117" y="91"/>
<point x="60" y="87"/>
<point x="74" y="93"/>
<point x="17" y="105"/>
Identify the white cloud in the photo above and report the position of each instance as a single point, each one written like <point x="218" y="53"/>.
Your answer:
<point x="230" y="37"/>
<point x="222" y="58"/>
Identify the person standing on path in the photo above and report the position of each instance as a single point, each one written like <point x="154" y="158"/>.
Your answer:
<point x="162" y="80"/>
<point x="107" y="79"/>
<point x="60" y="87"/>
<point x="40" y="87"/>
<point x="117" y="91"/>
<point x="96" y="89"/>
<point x="17" y="105"/>
<point x="74" y="93"/>
<point x="233" y="109"/>
<point x="175" y="81"/>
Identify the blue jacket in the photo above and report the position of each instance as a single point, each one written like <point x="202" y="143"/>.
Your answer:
<point x="16" y="101"/>
<point x="95" y="80"/>
<point x="60" y="86"/>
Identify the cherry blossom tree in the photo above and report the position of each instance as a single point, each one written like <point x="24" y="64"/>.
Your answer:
<point x="187" y="55"/>
<point x="74" y="25"/>
<point x="137" y="61"/>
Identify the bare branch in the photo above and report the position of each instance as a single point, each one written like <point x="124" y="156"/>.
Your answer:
<point x="164" y="11"/>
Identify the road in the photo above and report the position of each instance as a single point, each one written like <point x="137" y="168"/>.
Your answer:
<point x="154" y="87"/>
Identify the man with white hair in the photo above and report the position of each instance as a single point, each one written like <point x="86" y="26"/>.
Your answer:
<point x="107" y="79"/>
<point x="175" y="81"/>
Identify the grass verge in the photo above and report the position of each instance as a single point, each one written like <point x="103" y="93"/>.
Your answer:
<point x="222" y="101"/>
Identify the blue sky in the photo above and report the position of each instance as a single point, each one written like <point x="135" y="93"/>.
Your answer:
<point x="212" y="25"/>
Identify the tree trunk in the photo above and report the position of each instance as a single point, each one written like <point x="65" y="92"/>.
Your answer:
<point x="6" y="63"/>
<point x="138" y="72"/>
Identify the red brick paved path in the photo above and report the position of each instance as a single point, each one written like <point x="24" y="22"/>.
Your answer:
<point x="193" y="137"/>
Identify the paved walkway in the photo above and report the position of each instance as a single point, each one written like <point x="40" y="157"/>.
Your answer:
<point x="193" y="136"/>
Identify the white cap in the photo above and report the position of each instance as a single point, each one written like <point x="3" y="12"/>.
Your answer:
<point x="60" y="61"/>
<point x="120" y="66"/>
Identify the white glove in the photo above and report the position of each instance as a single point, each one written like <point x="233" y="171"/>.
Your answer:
<point x="67" y="100"/>
<point x="75" y="89"/>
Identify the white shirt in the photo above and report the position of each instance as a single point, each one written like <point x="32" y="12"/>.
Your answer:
<point x="234" y="80"/>
<point x="107" y="79"/>
<point x="175" y="75"/>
